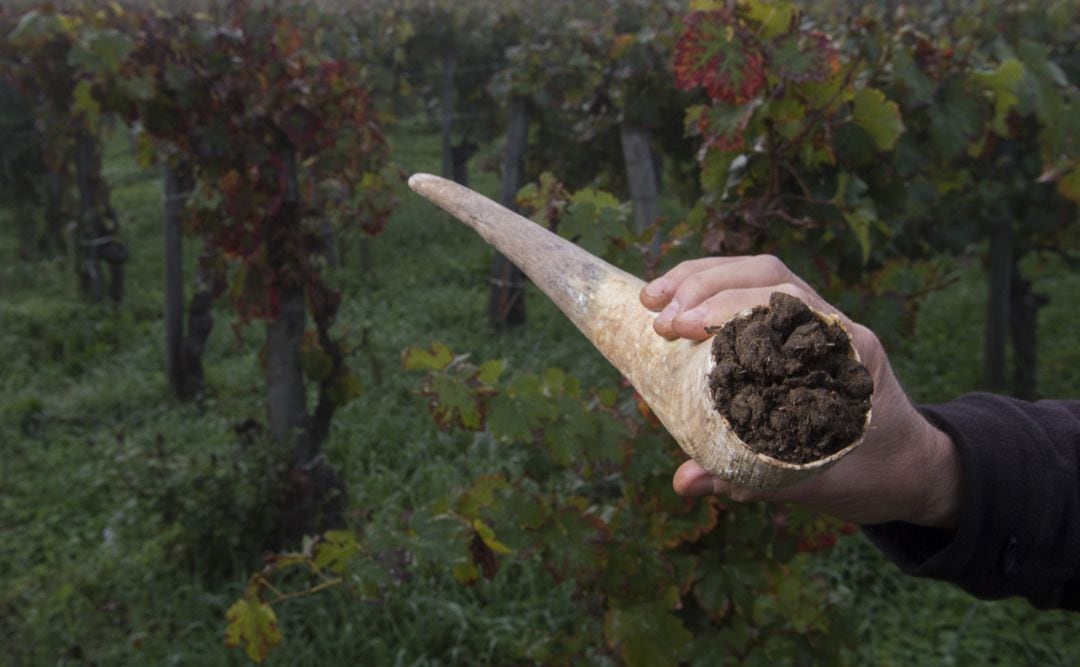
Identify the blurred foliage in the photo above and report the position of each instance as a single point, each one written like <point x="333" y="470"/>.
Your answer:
<point x="879" y="136"/>
<point x="867" y="143"/>
<point x="659" y="579"/>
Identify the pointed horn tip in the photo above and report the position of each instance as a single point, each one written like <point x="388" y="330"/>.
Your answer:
<point x="418" y="182"/>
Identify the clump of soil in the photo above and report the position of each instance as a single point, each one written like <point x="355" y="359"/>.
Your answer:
<point x="785" y="382"/>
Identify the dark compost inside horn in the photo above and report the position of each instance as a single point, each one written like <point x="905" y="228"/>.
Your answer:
<point x="787" y="384"/>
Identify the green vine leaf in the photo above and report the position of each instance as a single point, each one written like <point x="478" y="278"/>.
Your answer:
<point x="35" y="24"/>
<point x="917" y="88"/>
<point x="334" y="551"/>
<point x="722" y="127"/>
<point x="455" y="403"/>
<point x="573" y="544"/>
<point x="100" y="51"/>
<point x="648" y="635"/>
<point x="804" y="56"/>
<point x="956" y="120"/>
<point x="481" y="495"/>
<point x="1003" y="82"/>
<point x="878" y="116"/>
<point x="594" y="220"/>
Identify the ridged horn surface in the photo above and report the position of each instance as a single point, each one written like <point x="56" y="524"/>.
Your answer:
<point x="602" y="301"/>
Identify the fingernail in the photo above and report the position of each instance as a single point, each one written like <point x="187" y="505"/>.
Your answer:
<point x="657" y="288"/>
<point x="709" y="485"/>
<point x="695" y="314"/>
<point x="669" y="312"/>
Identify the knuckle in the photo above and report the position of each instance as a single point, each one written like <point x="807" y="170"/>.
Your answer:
<point x="772" y="266"/>
<point x="684" y="267"/>
<point x="692" y="288"/>
<point x="796" y="291"/>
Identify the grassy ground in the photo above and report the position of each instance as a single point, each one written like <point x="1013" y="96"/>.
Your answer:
<point x="117" y="505"/>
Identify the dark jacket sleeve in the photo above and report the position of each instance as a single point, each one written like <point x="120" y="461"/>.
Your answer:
<point x="1019" y="528"/>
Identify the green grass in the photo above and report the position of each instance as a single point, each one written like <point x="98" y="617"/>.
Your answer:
<point x="103" y="477"/>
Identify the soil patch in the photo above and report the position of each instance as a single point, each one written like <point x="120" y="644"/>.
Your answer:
<point x="785" y="382"/>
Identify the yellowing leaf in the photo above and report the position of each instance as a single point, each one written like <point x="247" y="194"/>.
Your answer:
<point x="335" y="550"/>
<point x="775" y="17"/>
<point x="435" y="358"/>
<point x="860" y="219"/>
<point x="344" y="388"/>
<point x="858" y="211"/>
<point x="490" y="371"/>
<point x="466" y="573"/>
<point x="878" y="116"/>
<point x="85" y="103"/>
<point x="253" y="624"/>
<point x="488" y="536"/>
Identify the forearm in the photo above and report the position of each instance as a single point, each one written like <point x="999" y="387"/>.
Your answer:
<point x="1017" y="529"/>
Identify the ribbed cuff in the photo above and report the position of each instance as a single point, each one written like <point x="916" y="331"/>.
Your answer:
<point x="1018" y="531"/>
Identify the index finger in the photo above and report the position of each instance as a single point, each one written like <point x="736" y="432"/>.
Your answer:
<point x="658" y="292"/>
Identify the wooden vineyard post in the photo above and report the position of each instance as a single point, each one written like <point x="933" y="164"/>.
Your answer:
<point x="286" y="398"/>
<point x="1000" y="265"/>
<point x="506" y="305"/>
<point x="448" y="101"/>
<point x="641" y="174"/>
<point x="174" y="284"/>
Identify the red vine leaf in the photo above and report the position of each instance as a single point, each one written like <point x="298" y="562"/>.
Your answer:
<point x="717" y="53"/>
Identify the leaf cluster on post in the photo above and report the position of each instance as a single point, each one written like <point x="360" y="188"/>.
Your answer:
<point x="280" y="142"/>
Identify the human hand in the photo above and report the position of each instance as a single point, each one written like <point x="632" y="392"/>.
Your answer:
<point x="905" y="469"/>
